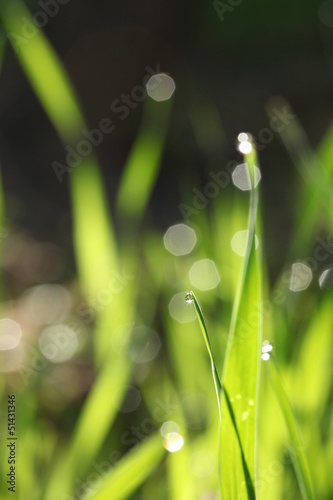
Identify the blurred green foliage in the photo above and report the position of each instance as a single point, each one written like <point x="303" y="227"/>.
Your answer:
<point x="85" y="449"/>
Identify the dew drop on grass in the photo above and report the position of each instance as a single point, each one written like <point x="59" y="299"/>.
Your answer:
<point x="173" y="442"/>
<point x="189" y="298"/>
<point x="326" y="279"/>
<point x="266" y="350"/>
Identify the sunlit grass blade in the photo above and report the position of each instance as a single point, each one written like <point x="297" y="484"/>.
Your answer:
<point x="131" y="471"/>
<point x="95" y="246"/>
<point x="106" y="393"/>
<point x="44" y="71"/>
<point x="93" y="232"/>
<point x="241" y="372"/>
<point x="297" y="446"/>
<point x="144" y="161"/>
<point x="190" y="297"/>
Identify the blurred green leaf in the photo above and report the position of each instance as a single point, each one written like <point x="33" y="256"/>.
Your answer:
<point x="131" y="471"/>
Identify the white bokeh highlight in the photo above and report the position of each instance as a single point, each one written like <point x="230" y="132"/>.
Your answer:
<point x="160" y="87"/>
<point x="180" y="310"/>
<point x="10" y="334"/>
<point x="58" y="343"/>
<point x="180" y="239"/>
<point x="301" y="277"/>
<point x="173" y="442"/>
<point x="241" y="177"/>
<point x="204" y="275"/>
<point x="239" y="242"/>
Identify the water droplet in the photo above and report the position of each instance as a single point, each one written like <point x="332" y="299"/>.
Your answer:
<point x="244" y="145"/>
<point x="189" y="298"/>
<point x="238" y="396"/>
<point x="173" y="442"/>
<point x="326" y="279"/>
<point x="179" y="309"/>
<point x="266" y="350"/>
<point x="251" y="402"/>
<point x="245" y="414"/>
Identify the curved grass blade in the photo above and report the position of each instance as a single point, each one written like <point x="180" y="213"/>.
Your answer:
<point x="191" y="298"/>
<point x="299" y="459"/>
<point x="143" y="162"/>
<point x="131" y="471"/>
<point x="241" y="373"/>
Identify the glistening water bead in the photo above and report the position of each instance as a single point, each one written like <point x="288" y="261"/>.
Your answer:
<point x="266" y="350"/>
<point x="189" y="298"/>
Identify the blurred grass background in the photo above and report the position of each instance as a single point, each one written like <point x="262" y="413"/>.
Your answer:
<point x="109" y="350"/>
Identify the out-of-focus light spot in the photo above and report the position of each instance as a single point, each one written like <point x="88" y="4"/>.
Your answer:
<point x="10" y="334"/>
<point x="326" y="279"/>
<point x="266" y="350"/>
<point x="251" y="402"/>
<point x="243" y="137"/>
<point x="173" y="442"/>
<point x="47" y="304"/>
<point x="160" y="87"/>
<point x="144" y="344"/>
<point x="180" y="239"/>
<point x="204" y="274"/>
<point x="301" y="277"/>
<point x="244" y="144"/>
<point x="132" y="400"/>
<point x="241" y="177"/>
<point x="169" y="427"/>
<point x="239" y="242"/>
<point x="58" y="343"/>
<point x="202" y="464"/>
<point x="245" y="414"/>
<point x="326" y="13"/>
<point x="180" y="310"/>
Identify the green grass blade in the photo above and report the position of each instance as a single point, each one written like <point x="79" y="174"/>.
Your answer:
<point x="93" y="424"/>
<point x="132" y="471"/>
<point x="44" y="71"/>
<point x="238" y="437"/>
<point x="300" y="461"/>
<point x="94" y="239"/>
<point x="143" y="162"/>
<point x="190" y="297"/>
